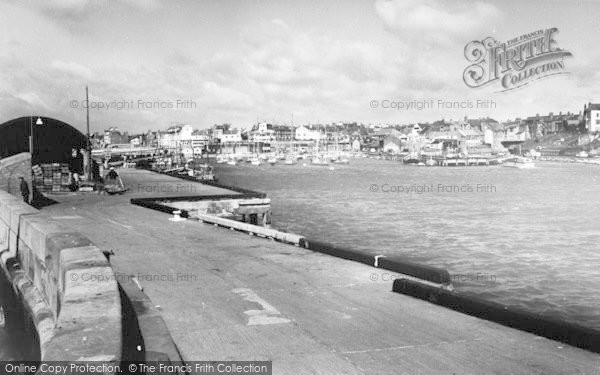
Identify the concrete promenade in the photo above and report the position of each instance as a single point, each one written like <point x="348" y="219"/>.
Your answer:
<point x="229" y="296"/>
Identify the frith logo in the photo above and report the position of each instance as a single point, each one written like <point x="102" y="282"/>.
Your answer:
<point x="514" y="63"/>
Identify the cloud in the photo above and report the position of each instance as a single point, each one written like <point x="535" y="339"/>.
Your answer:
<point x="72" y="13"/>
<point x="438" y="22"/>
<point x="72" y="69"/>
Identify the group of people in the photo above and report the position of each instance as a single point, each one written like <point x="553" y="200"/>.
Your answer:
<point x="106" y="178"/>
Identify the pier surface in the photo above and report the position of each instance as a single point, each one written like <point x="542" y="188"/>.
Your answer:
<point x="226" y="295"/>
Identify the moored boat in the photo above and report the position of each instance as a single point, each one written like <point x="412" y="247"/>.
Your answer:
<point x="519" y="162"/>
<point x="411" y="159"/>
<point x="319" y="160"/>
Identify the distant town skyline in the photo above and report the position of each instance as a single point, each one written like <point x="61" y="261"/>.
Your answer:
<point x="240" y="62"/>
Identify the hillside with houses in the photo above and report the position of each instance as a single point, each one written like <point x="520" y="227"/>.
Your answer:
<point x="562" y="133"/>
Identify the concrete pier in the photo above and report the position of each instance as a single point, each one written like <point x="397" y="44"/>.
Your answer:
<point x="225" y="295"/>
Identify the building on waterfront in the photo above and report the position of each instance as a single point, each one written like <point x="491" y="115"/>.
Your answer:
<point x="591" y="116"/>
<point x="470" y="137"/>
<point x="382" y="134"/>
<point x="231" y="136"/>
<point x="482" y="124"/>
<point x="135" y="141"/>
<point x="182" y="139"/>
<point x="113" y="136"/>
<point x="283" y="133"/>
<point x="515" y="130"/>
<point x="172" y="138"/>
<point x="262" y="133"/>
<point x="305" y="134"/>
<point x="488" y="128"/>
<point x="393" y="144"/>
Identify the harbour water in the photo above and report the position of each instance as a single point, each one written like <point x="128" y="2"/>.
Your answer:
<point x="524" y="238"/>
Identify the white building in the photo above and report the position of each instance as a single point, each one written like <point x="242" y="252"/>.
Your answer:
<point x="262" y="132"/>
<point x="231" y="136"/>
<point x="591" y="114"/>
<point x="305" y="134"/>
<point x="184" y="139"/>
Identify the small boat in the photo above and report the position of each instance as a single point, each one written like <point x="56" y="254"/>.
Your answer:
<point x="231" y="162"/>
<point x="202" y="172"/>
<point x="342" y="161"/>
<point x="411" y="159"/>
<point x="272" y="160"/>
<point x="431" y="162"/>
<point x="255" y="161"/>
<point x="519" y="162"/>
<point x="290" y="160"/>
<point x="582" y="154"/>
<point x="320" y="161"/>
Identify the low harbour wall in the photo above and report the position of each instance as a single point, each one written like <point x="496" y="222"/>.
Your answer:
<point x="61" y="280"/>
<point x="555" y="329"/>
<point x="64" y="282"/>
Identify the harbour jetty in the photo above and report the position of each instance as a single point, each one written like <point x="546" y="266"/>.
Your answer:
<point x="226" y="292"/>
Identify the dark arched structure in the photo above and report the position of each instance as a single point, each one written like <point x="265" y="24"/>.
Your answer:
<point x="52" y="141"/>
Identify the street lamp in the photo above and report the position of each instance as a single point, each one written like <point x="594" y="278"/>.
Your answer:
<point x="37" y="122"/>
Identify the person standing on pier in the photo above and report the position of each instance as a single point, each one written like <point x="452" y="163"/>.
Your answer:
<point x="24" y="189"/>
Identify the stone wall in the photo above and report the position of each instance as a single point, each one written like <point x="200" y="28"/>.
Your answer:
<point x="11" y="169"/>
<point x="64" y="282"/>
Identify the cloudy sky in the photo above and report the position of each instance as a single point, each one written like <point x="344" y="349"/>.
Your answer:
<point x="239" y="61"/>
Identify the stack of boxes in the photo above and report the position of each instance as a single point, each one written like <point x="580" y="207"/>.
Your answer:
<point x="51" y="177"/>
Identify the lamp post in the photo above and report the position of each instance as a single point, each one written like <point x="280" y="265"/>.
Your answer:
<point x="88" y="145"/>
<point x="37" y="122"/>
